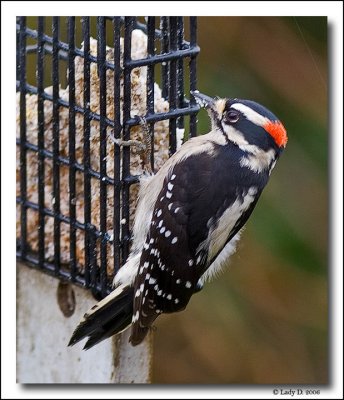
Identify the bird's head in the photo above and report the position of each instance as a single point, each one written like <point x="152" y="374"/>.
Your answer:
<point x="245" y="123"/>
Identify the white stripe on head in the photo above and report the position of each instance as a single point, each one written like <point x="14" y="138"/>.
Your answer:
<point x="234" y="135"/>
<point x="250" y="114"/>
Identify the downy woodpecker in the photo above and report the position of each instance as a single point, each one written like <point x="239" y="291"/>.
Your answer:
<point x="189" y="218"/>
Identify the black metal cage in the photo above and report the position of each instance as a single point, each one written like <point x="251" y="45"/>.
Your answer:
<point x="63" y="132"/>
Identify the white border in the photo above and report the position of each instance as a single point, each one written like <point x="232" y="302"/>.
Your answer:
<point x="334" y="11"/>
<point x="174" y="8"/>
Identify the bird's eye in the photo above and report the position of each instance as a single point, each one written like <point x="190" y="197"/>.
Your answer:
<point x="232" y="116"/>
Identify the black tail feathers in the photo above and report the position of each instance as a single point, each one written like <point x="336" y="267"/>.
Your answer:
<point x="110" y="316"/>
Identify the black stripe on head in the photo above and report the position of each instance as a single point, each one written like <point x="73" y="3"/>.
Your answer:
<point x="255" y="134"/>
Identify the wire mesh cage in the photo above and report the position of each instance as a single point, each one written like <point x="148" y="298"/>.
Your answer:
<point x="76" y="97"/>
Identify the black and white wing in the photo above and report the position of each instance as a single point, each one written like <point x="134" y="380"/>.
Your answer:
<point x="195" y="194"/>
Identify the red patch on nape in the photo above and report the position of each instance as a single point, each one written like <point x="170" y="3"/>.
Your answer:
<point x="277" y="131"/>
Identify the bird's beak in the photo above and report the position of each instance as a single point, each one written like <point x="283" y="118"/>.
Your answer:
<point x="202" y="99"/>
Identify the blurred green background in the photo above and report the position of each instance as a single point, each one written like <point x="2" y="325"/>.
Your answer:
<point x="263" y="321"/>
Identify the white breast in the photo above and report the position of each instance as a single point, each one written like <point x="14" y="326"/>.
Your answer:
<point x="221" y="261"/>
<point x="219" y="233"/>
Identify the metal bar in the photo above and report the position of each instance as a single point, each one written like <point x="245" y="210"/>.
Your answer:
<point x="175" y="113"/>
<point x="94" y="282"/>
<point x="180" y="71"/>
<point x="63" y="54"/>
<point x="173" y="85"/>
<point x="63" y="103"/>
<point x="63" y="274"/>
<point x="101" y="30"/>
<point x="173" y="55"/>
<point x="56" y="144"/>
<point x="117" y="150"/>
<point x="193" y="74"/>
<point x="128" y="28"/>
<point x="71" y="149"/>
<point x="165" y="47"/>
<point x="65" y="161"/>
<point x="62" y="218"/>
<point x="142" y="62"/>
<point x="40" y="138"/>
<point x="18" y="50"/>
<point x="86" y="154"/>
<point x="22" y="105"/>
<point x="159" y="58"/>
<point x="131" y="122"/>
<point x="156" y="33"/>
<point x="174" y="50"/>
<point x="150" y="84"/>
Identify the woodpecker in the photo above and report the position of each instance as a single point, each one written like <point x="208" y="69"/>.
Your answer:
<point x="189" y="218"/>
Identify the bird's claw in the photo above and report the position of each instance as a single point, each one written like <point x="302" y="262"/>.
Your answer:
<point x="127" y="143"/>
